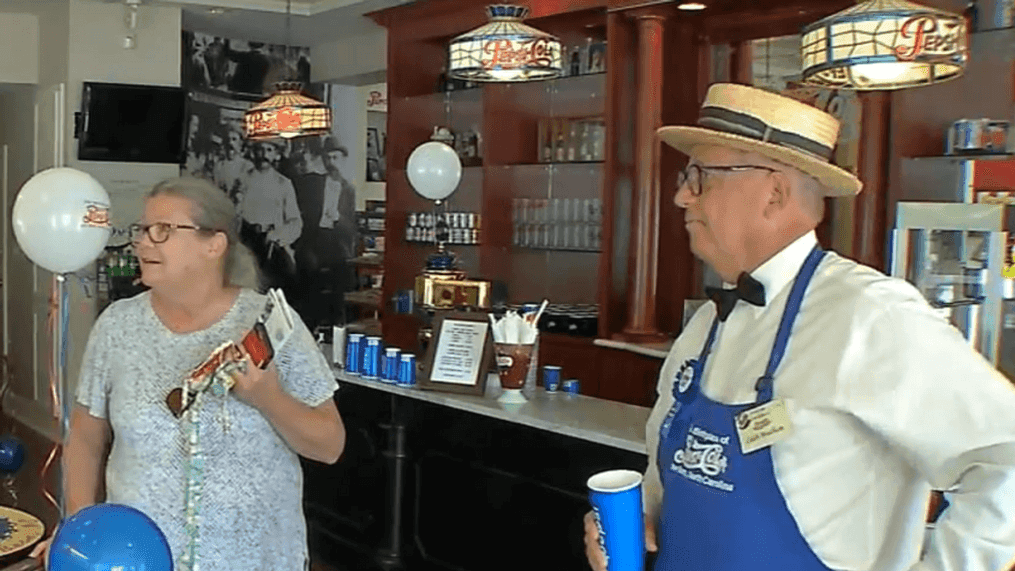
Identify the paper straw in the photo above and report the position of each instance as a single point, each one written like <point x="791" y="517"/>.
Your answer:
<point x="539" y="313"/>
<point x="497" y="337"/>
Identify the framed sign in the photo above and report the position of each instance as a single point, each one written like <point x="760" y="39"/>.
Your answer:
<point x="460" y="354"/>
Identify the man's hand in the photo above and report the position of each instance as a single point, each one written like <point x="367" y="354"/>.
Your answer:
<point x="594" y="553"/>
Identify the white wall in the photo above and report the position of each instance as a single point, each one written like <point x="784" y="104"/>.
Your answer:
<point x="19" y="48"/>
<point x="78" y="41"/>
<point x="334" y="62"/>
<point x="368" y="190"/>
<point x="98" y="55"/>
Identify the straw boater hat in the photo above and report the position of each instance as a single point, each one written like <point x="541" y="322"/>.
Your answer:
<point x="754" y="120"/>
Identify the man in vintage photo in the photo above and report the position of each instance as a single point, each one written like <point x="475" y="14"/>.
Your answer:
<point x="271" y="216"/>
<point x="233" y="167"/>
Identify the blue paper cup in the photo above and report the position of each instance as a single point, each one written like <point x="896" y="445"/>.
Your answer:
<point x="615" y="496"/>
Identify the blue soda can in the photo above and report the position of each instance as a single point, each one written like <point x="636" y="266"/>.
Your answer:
<point x="571" y="386"/>
<point x="407" y="370"/>
<point x="551" y="378"/>
<point x="354" y="353"/>
<point x="371" y="358"/>
<point x="389" y="368"/>
<point x="616" y="503"/>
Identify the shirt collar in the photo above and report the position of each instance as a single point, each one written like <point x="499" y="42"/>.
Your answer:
<point x="778" y="271"/>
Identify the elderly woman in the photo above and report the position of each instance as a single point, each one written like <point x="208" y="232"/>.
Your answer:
<point x="124" y="439"/>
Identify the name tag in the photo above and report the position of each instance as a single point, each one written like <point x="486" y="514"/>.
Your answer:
<point x="763" y="426"/>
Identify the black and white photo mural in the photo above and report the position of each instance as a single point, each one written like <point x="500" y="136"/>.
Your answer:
<point x="294" y="196"/>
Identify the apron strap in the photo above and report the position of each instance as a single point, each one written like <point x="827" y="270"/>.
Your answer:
<point x="796" y="296"/>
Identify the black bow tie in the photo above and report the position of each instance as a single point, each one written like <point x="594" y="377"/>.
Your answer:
<point x="748" y="289"/>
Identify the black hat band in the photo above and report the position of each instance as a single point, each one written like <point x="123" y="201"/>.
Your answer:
<point x="727" y="121"/>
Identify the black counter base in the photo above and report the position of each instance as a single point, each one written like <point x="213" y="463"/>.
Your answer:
<point x="474" y="493"/>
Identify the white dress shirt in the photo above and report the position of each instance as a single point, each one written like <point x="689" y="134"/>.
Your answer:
<point x="888" y="401"/>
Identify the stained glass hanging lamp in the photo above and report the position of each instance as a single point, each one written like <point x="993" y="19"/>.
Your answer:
<point x="884" y="44"/>
<point x="288" y="112"/>
<point x="505" y="50"/>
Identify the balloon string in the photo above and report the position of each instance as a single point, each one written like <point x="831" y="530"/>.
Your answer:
<point x="51" y="330"/>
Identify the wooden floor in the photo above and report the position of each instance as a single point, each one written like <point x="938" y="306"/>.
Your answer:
<point x="319" y="566"/>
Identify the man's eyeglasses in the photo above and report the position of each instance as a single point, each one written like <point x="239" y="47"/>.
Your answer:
<point x="694" y="175"/>
<point x="158" y="232"/>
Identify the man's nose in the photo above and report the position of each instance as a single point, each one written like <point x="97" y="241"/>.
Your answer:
<point x="683" y="197"/>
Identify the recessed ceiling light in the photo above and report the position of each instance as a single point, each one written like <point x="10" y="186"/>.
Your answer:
<point x="216" y="11"/>
<point x="691" y="6"/>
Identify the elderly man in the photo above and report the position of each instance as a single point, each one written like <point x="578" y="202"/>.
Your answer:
<point x="805" y="428"/>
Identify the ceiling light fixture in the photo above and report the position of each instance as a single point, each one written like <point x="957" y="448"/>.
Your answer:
<point x="691" y="6"/>
<point x="130" y="8"/>
<point x="505" y="50"/>
<point x="884" y="44"/>
<point x="288" y="112"/>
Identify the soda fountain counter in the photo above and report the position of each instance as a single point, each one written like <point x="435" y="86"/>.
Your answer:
<point x="452" y="482"/>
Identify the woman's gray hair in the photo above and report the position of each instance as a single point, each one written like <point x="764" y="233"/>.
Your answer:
<point x="212" y="208"/>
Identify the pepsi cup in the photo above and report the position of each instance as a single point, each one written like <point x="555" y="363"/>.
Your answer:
<point x="571" y="386"/>
<point x="389" y="367"/>
<point x="354" y="353"/>
<point x="615" y="496"/>
<point x="371" y="358"/>
<point x="407" y="370"/>
<point x="551" y="378"/>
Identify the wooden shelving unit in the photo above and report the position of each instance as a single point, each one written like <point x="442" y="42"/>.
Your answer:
<point x="508" y="119"/>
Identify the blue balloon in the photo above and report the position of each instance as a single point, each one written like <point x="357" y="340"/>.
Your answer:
<point x="12" y="454"/>
<point x="109" y="536"/>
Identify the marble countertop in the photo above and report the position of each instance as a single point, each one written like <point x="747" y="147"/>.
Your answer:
<point x="657" y="350"/>
<point x="601" y="421"/>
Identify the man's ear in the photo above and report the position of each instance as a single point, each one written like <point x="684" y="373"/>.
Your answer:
<point x="779" y="193"/>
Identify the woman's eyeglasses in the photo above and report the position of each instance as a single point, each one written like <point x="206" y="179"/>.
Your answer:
<point x="694" y="175"/>
<point x="159" y="232"/>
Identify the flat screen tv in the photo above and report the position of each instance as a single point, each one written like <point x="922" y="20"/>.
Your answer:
<point x="131" y="123"/>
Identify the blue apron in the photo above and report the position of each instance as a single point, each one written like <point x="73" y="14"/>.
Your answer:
<point x="722" y="509"/>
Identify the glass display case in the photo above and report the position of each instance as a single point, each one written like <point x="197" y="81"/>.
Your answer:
<point x="957" y="255"/>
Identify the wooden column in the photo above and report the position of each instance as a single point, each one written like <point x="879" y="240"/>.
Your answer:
<point x="642" y="319"/>
<point x="870" y="206"/>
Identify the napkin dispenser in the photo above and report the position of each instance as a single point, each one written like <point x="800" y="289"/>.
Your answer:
<point x="441" y="286"/>
<point x="443" y="291"/>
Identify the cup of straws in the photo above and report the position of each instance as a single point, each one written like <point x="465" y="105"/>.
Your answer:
<point x="514" y="338"/>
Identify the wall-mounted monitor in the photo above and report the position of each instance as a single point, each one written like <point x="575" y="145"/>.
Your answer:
<point x="131" y="123"/>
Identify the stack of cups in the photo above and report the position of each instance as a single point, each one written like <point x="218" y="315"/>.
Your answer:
<point x="407" y="370"/>
<point x="389" y="367"/>
<point x="616" y="501"/>
<point x="354" y="353"/>
<point x="371" y="359"/>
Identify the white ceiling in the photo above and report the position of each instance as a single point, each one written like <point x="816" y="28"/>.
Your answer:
<point x="313" y="22"/>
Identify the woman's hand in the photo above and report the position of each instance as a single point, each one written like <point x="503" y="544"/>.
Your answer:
<point x="41" y="550"/>
<point x="254" y="386"/>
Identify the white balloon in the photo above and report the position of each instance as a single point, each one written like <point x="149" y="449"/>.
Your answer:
<point x="434" y="170"/>
<point x="61" y="219"/>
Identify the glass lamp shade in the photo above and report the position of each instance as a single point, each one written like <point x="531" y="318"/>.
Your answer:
<point x="884" y="44"/>
<point x="288" y="113"/>
<point x="505" y="50"/>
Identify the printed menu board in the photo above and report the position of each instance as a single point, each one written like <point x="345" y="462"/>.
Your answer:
<point x="459" y="352"/>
